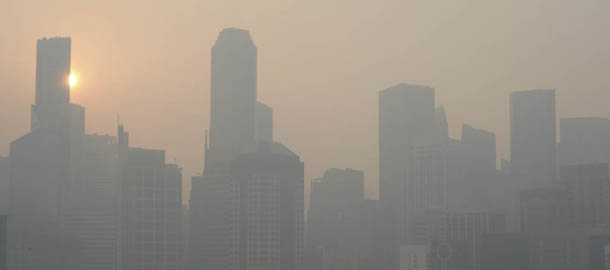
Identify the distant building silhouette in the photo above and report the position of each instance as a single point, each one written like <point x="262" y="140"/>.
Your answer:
<point x="43" y="167"/>
<point x="480" y="147"/>
<point x="505" y="251"/>
<point x="52" y="87"/>
<point x="545" y="210"/>
<point x="377" y="247"/>
<point x="414" y="257"/>
<point x="247" y="207"/>
<point x="584" y="140"/>
<point x="233" y="93"/>
<point x="589" y="188"/>
<point x="533" y="138"/>
<point x="150" y="208"/>
<point x="464" y="235"/>
<point x="406" y="120"/>
<point x="333" y="217"/>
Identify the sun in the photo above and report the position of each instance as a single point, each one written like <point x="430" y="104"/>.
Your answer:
<point x="72" y="80"/>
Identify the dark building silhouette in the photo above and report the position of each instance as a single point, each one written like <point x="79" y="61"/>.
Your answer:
<point x="406" y="120"/>
<point x="233" y="93"/>
<point x="546" y="210"/>
<point x="464" y="234"/>
<point x="52" y="87"/>
<point x="332" y="223"/>
<point x="589" y="187"/>
<point x="480" y="147"/>
<point x="92" y="215"/>
<point x="505" y="251"/>
<point x="377" y="226"/>
<point x="150" y="208"/>
<point x="592" y="249"/>
<point x="533" y="138"/>
<point x="43" y="167"/>
<point x="246" y="210"/>
<point x="584" y="140"/>
<point x="251" y="216"/>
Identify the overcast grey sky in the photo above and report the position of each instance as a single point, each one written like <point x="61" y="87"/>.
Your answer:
<point x="321" y="64"/>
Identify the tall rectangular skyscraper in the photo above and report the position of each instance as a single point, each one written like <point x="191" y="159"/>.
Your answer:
<point x="533" y="138"/>
<point x="42" y="166"/>
<point x="52" y="75"/>
<point x="406" y="120"/>
<point x="233" y="93"/>
<point x="246" y="210"/>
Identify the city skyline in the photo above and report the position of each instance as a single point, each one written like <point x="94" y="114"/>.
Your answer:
<point x="472" y="87"/>
<point x="366" y="141"/>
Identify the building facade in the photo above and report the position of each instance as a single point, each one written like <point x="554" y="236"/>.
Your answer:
<point x="533" y="138"/>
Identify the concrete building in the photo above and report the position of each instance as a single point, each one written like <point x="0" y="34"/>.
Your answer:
<point x="247" y="207"/>
<point x="480" y="147"/>
<point x="545" y="210"/>
<point x="584" y="140"/>
<point x="251" y="216"/>
<point x="92" y="215"/>
<point x="505" y="251"/>
<point x="589" y="187"/>
<point x="52" y="75"/>
<point x="377" y="226"/>
<point x="332" y="222"/>
<point x="406" y="120"/>
<point x="414" y="257"/>
<point x="533" y="138"/>
<point x="233" y="93"/>
<point x="150" y="209"/>
<point x="464" y="234"/>
<point x="42" y="167"/>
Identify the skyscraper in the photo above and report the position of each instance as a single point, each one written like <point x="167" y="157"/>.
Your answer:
<point x="52" y="75"/>
<point x="42" y="165"/>
<point x="406" y="120"/>
<point x="480" y="147"/>
<point x="589" y="186"/>
<point x="584" y="140"/>
<point x="150" y="209"/>
<point x="233" y="94"/>
<point x="247" y="207"/>
<point x="332" y="223"/>
<point x="545" y="210"/>
<point x="533" y="138"/>
<point x="92" y="215"/>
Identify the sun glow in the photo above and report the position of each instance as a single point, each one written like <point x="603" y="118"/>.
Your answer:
<point x="72" y="80"/>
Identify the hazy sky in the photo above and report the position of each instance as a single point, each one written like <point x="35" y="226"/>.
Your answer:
<point x="321" y="64"/>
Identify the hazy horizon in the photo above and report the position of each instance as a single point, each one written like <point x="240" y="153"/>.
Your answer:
<point x="320" y="67"/>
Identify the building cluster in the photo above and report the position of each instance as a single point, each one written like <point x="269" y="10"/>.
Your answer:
<point x="444" y="204"/>
<point x="72" y="200"/>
